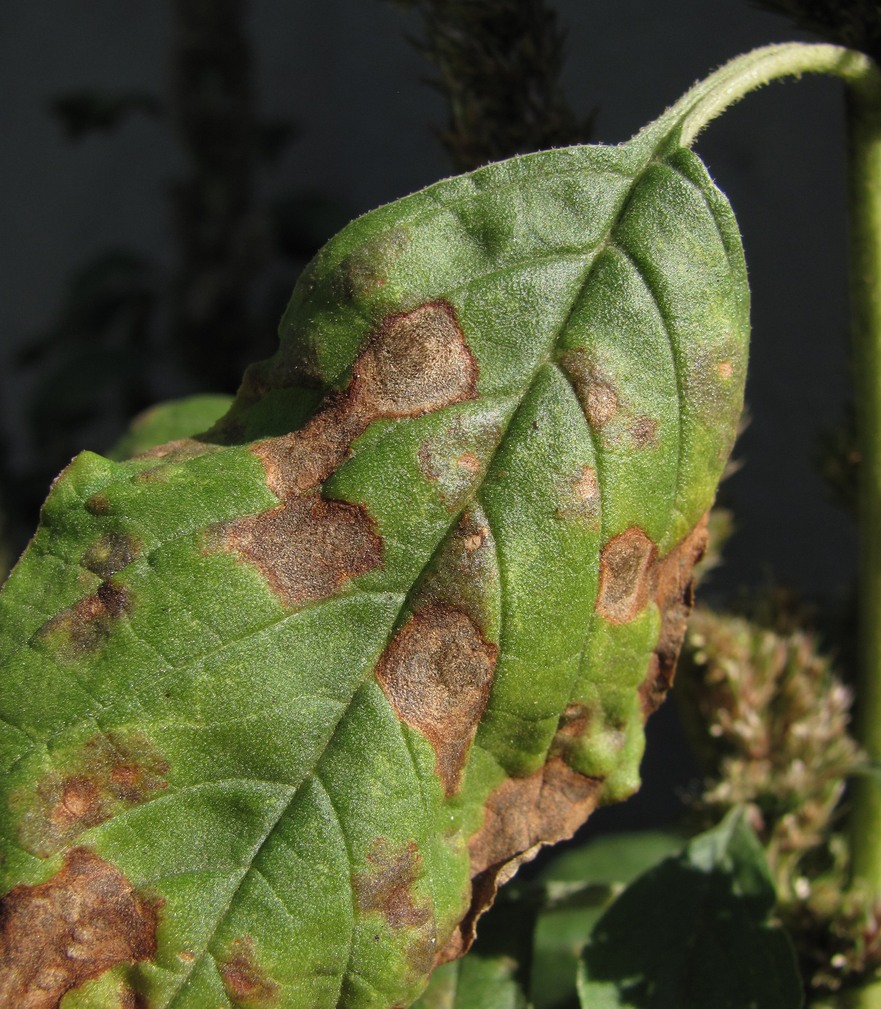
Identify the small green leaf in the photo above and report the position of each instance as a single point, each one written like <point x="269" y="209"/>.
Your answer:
<point x="171" y="421"/>
<point x="561" y="934"/>
<point x="306" y="689"/>
<point x="476" y="982"/>
<point x="613" y="858"/>
<point x="593" y="873"/>
<point x="695" y="932"/>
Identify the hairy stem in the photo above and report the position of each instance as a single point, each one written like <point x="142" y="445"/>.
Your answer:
<point x="681" y="125"/>
<point x="734" y="80"/>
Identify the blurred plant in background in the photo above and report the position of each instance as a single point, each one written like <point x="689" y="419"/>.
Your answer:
<point x="769" y="719"/>
<point x="498" y="65"/>
<point x="132" y="332"/>
<point x="855" y="24"/>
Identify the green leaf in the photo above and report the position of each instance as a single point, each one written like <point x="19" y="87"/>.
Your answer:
<point x="613" y="859"/>
<point x="273" y="697"/>
<point x="476" y="982"/>
<point x="171" y="421"/>
<point x="695" y="932"/>
<point x="561" y="933"/>
<point x="580" y="885"/>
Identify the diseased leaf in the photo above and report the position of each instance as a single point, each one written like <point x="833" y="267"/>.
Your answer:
<point x="307" y="689"/>
<point x="694" y="932"/>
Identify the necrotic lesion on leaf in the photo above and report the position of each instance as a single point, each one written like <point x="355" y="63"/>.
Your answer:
<point x="437" y="673"/>
<point x="308" y="547"/>
<point x="80" y="923"/>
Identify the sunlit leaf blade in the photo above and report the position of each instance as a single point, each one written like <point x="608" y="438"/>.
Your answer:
<point x="695" y="932"/>
<point x="273" y="697"/>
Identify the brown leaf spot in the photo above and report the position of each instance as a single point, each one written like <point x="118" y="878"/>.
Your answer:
<point x="387" y="886"/>
<point x="97" y="505"/>
<point x="463" y="574"/>
<point x="427" y="462"/>
<point x="180" y="450"/>
<point x="79" y="798"/>
<point x="110" y="554"/>
<point x="586" y="487"/>
<point x="437" y="672"/>
<point x="542" y="808"/>
<point x="673" y="592"/>
<point x="87" y="624"/>
<point x="601" y="404"/>
<point x="127" y="781"/>
<point x="474" y="540"/>
<point x="246" y="981"/>
<point x="308" y="548"/>
<point x="595" y="392"/>
<point x="644" y="431"/>
<point x="109" y="601"/>
<point x="725" y="369"/>
<point x="82" y="922"/>
<point x="450" y="457"/>
<point x="109" y="773"/>
<point x="626" y="570"/>
<point x="64" y="807"/>
<point x="298" y="463"/>
<point x="521" y="815"/>
<point x="574" y="722"/>
<point x="130" y="999"/>
<point x="417" y="362"/>
<point x="580" y="498"/>
<point x="364" y="270"/>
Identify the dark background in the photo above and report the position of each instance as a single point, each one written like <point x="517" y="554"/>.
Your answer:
<point x="344" y="75"/>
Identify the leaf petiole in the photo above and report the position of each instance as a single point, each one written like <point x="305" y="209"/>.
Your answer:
<point x="709" y="98"/>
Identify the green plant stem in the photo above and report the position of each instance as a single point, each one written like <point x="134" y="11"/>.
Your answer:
<point x="682" y="122"/>
<point x="681" y="125"/>
<point x="864" y="196"/>
<point x="864" y="137"/>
